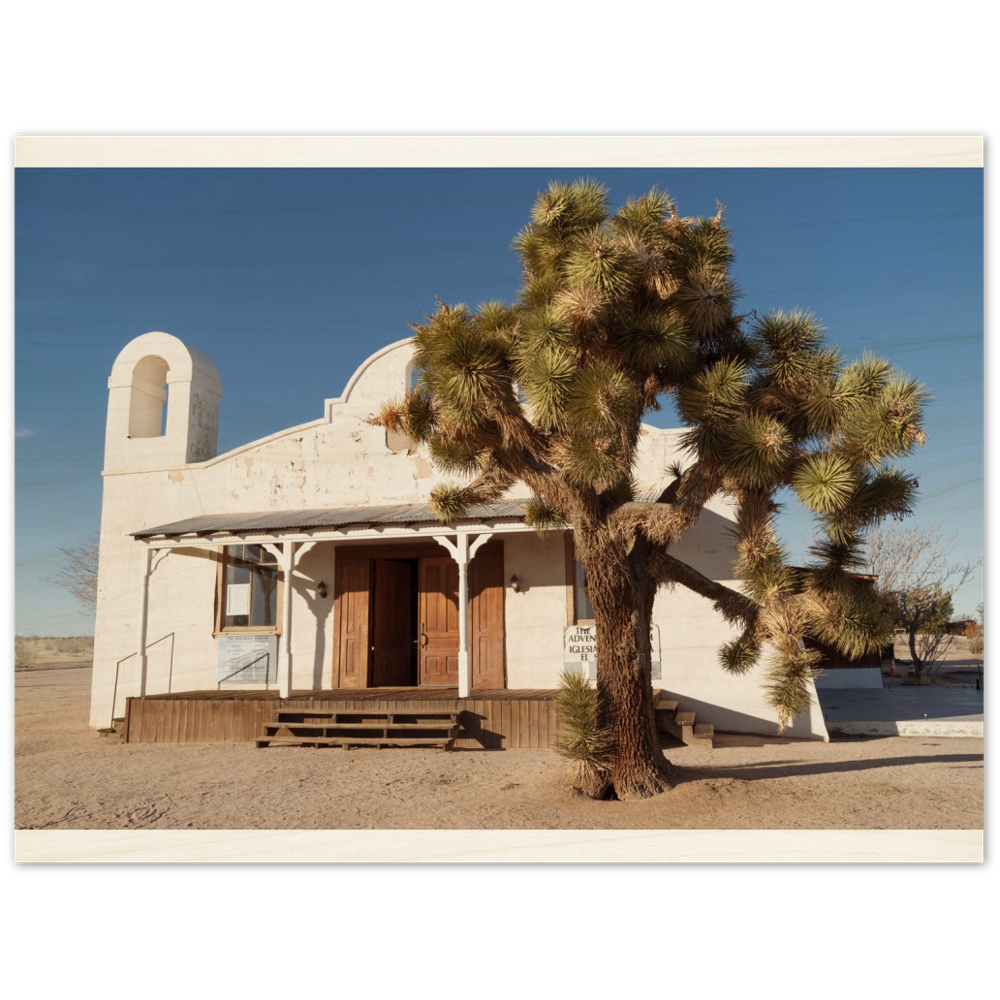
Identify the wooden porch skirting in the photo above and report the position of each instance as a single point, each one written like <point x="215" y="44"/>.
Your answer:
<point x="491" y="720"/>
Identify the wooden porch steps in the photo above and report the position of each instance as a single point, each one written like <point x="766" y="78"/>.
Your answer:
<point x="681" y="725"/>
<point x="361" y="728"/>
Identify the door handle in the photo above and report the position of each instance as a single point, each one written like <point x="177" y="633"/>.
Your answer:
<point x="423" y="635"/>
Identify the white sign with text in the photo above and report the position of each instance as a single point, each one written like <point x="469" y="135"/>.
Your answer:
<point x="580" y="650"/>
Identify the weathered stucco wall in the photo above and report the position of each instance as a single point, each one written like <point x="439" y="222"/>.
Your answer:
<point x="536" y="616"/>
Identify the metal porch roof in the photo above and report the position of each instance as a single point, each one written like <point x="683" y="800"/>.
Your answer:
<point x="335" y="517"/>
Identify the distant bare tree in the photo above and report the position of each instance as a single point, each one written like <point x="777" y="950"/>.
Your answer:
<point x="79" y="571"/>
<point x="916" y="573"/>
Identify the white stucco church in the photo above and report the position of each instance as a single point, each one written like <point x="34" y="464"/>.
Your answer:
<point x="309" y="561"/>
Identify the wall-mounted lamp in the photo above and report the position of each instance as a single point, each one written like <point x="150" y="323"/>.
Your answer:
<point x="515" y="584"/>
<point x="321" y="589"/>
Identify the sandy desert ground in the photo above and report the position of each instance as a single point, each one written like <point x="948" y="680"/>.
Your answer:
<point x="69" y="777"/>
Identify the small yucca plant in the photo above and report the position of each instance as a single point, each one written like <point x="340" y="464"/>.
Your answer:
<point x="584" y="737"/>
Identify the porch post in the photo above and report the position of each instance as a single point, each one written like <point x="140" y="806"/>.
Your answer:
<point x="464" y="673"/>
<point x="286" y="553"/>
<point x="463" y="555"/>
<point x="285" y="659"/>
<point x="147" y="565"/>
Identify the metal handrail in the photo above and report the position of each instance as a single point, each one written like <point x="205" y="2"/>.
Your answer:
<point x="114" y="696"/>
<point x="263" y="656"/>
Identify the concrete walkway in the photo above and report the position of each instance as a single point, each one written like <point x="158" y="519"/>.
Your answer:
<point x="902" y="710"/>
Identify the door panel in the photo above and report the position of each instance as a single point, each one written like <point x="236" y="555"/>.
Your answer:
<point x="438" y="632"/>
<point x="375" y="628"/>
<point x="351" y="610"/>
<point x="486" y="624"/>
<point x="392" y="623"/>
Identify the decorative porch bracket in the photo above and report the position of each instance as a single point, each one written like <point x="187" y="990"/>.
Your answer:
<point x="287" y="554"/>
<point x="463" y="553"/>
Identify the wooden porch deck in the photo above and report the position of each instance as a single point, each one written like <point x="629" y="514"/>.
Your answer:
<point x="490" y="719"/>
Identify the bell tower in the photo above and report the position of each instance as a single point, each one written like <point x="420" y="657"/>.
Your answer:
<point x="163" y="406"/>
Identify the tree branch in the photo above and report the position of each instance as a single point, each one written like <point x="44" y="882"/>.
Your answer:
<point x="735" y="607"/>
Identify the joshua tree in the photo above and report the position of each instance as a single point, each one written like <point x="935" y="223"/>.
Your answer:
<point x="616" y="311"/>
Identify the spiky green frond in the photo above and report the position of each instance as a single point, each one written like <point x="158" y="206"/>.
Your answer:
<point x="705" y="441"/>
<point x="654" y="338"/>
<point x="892" y="421"/>
<point x="758" y="448"/>
<point x="706" y="247"/>
<point x="841" y="531"/>
<point x="546" y="379"/>
<point x="788" y="333"/>
<point x="601" y="260"/>
<point x="569" y="208"/>
<point x="642" y="216"/>
<point x="592" y="462"/>
<point x="601" y="399"/>
<point x="390" y="416"/>
<point x="739" y="656"/>
<point x="715" y="395"/>
<point x="829" y="578"/>
<point x="534" y="249"/>
<point x="787" y="686"/>
<point x="464" y="372"/>
<point x="885" y="421"/>
<point x="449" y="501"/>
<point x="706" y="303"/>
<point x="543" y="516"/>
<point x="741" y="348"/>
<point x="769" y="577"/>
<point x="413" y="415"/>
<point x="418" y="414"/>
<point x="649" y="257"/>
<point x="546" y="327"/>
<point x="824" y="483"/>
<point x="496" y="317"/>
<point x="449" y="456"/>
<point x="822" y="408"/>
<point x="855" y="624"/>
<point x="865" y="377"/>
<point x="849" y="556"/>
<point x="541" y="290"/>
<point x="889" y="492"/>
<point x="755" y="549"/>
<point x="584" y="307"/>
<point x="473" y="382"/>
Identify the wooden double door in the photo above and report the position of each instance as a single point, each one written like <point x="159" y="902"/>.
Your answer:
<point x="396" y="618"/>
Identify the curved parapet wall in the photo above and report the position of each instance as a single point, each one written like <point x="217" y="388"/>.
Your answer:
<point x="386" y="373"/>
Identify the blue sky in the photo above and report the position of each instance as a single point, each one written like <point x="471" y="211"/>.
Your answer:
<point x="289" y="279"/>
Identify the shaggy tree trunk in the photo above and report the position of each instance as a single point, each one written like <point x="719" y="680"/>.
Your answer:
<point x="622" y="596"/>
